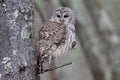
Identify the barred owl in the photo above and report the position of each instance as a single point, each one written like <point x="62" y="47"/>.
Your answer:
<point x="57" y="35"/>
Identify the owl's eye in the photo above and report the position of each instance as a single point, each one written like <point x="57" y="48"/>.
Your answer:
<point x="66" y="16"/>
<point x="58" y="16"/>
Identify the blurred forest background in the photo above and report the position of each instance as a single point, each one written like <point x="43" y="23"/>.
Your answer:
<point x="97" y="56"/>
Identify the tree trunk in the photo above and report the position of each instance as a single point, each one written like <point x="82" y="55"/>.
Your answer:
<point x="17" y="50"/>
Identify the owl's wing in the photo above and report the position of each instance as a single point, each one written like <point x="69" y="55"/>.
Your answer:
<point x="51" y="36"/>
<point x="52" y="32"/>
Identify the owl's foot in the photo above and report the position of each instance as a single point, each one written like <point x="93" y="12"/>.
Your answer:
<point x="74" y="44"/>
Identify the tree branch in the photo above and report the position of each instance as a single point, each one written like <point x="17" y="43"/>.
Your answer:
<point x="51" y="69"/>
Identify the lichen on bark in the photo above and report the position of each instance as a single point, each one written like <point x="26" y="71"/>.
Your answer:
<point x="24" y="32"/>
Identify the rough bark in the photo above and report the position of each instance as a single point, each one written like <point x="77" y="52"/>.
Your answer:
<point x="17" y="51"/>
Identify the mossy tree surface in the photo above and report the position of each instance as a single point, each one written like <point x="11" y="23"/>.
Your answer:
<point x="17" y="52"/>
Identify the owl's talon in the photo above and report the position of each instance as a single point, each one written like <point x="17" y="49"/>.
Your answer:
<point x="74" y="44"/>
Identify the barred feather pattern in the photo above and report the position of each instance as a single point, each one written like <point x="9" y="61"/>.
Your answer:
<point x="68" y="44"/>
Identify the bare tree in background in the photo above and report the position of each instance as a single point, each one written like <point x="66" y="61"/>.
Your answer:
<point x="108" y="38"/>
<point x="17" y="50"/>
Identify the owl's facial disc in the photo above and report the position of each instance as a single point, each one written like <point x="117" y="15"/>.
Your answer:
<point x="64" y="15"/>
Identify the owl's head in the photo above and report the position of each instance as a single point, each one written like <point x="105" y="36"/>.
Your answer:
<point x="63" y="15"/>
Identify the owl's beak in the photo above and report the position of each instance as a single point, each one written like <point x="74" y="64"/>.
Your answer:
<point x="62" y="20"/>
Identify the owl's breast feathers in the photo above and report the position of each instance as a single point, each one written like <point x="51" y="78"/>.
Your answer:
<point x="55" y="38"/>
